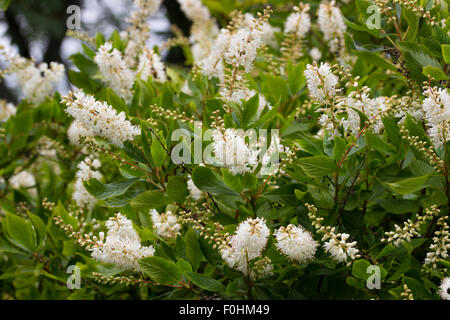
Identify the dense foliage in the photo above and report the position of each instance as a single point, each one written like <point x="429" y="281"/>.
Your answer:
<point x="141" y="179"/>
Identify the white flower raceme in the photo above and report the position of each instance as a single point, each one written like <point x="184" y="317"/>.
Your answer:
<point x="100" y="118"/>
<point x="39" y="82"/>
<point x="298" y="22"/>
<point x="232" y="151"/>
<point x="441" y="244"/>
<point x="76" y="131"/>
<point x="150" y="65"/>
<point x="86" y="171"/>
<point x="203" y="30"/>
<point x="437" y="113"/>
<point x="36" y="82"/>
<point x="296" y="243"/>
<point x="444" y="289"/>
<point x="331" y="23"/>
<point x="246" y="244"/>
<point x="25" y="180"/>
<point x="195" y="192"/>
<point x="321" y="81"/>
<point x="139" y="31"/>
<point x="267" y="30"/>
<point x="339" y="249"/>
<point x="114" y="70"/>
<point x="367" y="106"/>
<point x="165" y="224"/>
<point x="242" y="48"/>
<point x="212" y="64"/>
<point x="122" y="246"/>
<point x="6" y="110"/>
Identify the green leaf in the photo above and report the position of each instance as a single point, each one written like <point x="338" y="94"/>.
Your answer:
<point x="250" y="111"/>
<point x="446" y="52"/>
<point x="158" y="152"/>
<point x="410" y="185"/>
<point x="434" y="72"/>
<point x="149" y="200"/>
<point x="205" y="179"/>
<point x="374" y="59"/>
<point x="317" y="166"/>
<point x="104" y="191"/>
<point x="160" y="270"/>
<point x="338" y="148"/>
<point x="177" y="189"/>
<point x="193" y="250"/>
<point x="39" y="227"/>
<point x="20" y="232"/>
<point x="205" y="282"/>
<point x="398" y="206"/>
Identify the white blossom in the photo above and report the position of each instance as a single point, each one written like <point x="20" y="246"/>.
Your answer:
<point x="436" y="107"/>
<point x="331" y="24"/>
<point x="339" y="249"/>
<point x="444" y="289"/>
<point x="7" y="110"/>
<point x="242" y="48"/>
<point x="165" y="224"/>
<point x="321" y="81"/>
<point x="122" y="246"/>
<point x="195" y="192"/>
<point x="315" y="54"/>
<point x="150" y="65"/>
<point x="24" y="180"/>
<point x="99" y="118"/>
<point x="296" y="243"/>
<point x="36" y="82"/>
<point x="298" y="22"/>
<point x="76" y="131"/>
<point x="86" y="171"/>
<point x="232" y="151"/>
<point x="246" y="244"/>
<point x="115" y="70"/>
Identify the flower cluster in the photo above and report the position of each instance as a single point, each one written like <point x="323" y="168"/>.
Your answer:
<point x="336" y="243"/>
<point x="36" y="82"/>
<point x="99" y="118"/>
<point x="165" y="224"/>
<point x="437" y="114"/>
<point x="87" y="170"/>
<point x="246" y="244"/>
<point x="410" y="228"/>
<point x="122" y="245"/>
<point x="296" y="243"/>
<point x="114" y="69"/>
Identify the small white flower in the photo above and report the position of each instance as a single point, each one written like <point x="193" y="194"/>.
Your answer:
<point x="195" y="192"/>
<point x="6" y="110"/>
<point x="339" y="249"/>
<point x="315" y="54"/>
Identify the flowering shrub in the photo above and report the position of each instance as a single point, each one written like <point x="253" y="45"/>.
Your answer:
<point x="303" y="152"/>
